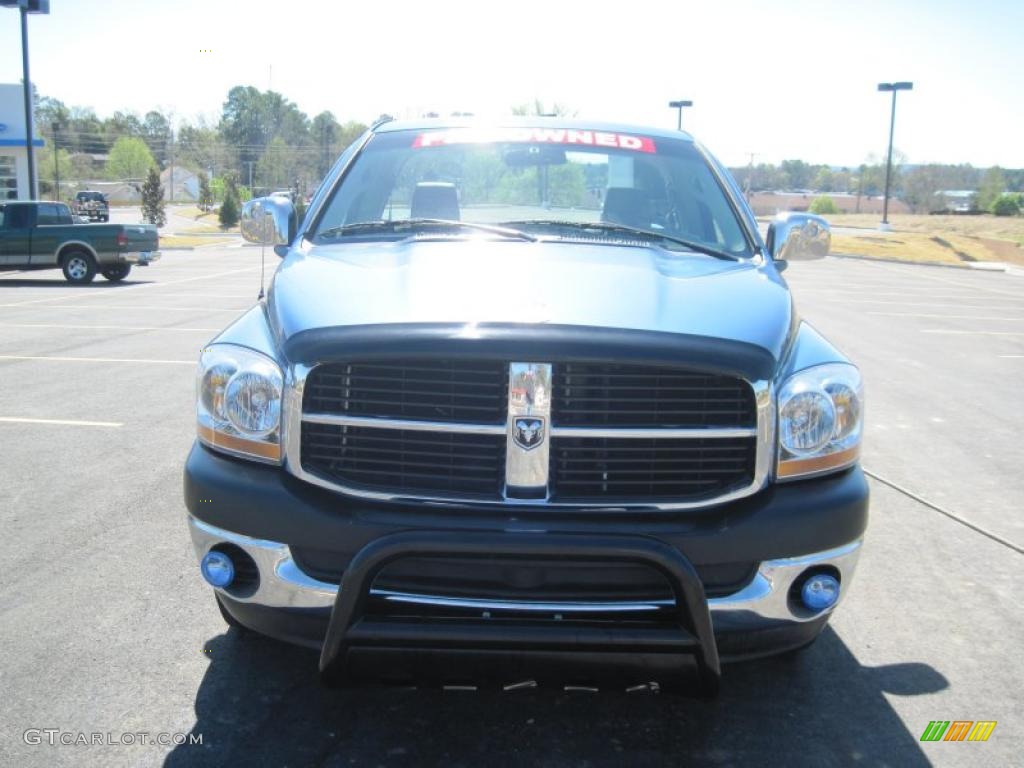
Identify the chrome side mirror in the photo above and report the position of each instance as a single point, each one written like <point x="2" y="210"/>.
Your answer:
<point x="798" y="236"/>
<point x="269" y="221"/>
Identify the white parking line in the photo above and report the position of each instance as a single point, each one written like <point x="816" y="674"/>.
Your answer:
<point x="76" y="327"/>
<point x="67" y="422"/>
<point x="961" y="284"/>
<point x="950" y="317"/>
<point x="56" y="359"/>
<point x="202" y="295"/>
<point x="146" y="307"/>
<point x="989" y="307"/>
<point x="910" y="293"/>
<point x="78" y="292"/>
<point x="972" y="333"/>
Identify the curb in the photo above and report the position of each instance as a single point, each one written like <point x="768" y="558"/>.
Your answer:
<point x="984" y="266"/>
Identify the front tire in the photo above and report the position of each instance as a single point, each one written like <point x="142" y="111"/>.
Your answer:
<point x="117" y="273"/>
<point x="79" y="268"/>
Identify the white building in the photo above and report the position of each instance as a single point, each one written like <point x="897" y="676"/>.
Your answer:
<point x="13" y="158"/>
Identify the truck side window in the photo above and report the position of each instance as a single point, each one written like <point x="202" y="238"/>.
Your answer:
<point x="17" y="217"/>
<point x="47" y="214"/>
<point x="63" y="214"/>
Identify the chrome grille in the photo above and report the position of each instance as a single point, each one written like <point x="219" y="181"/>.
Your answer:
<point x="442" y="430"/>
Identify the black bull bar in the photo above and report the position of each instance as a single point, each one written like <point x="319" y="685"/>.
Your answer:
<point x="362" y="647"/>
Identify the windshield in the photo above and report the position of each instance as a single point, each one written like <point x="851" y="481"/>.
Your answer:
<point x="562" y="183"/>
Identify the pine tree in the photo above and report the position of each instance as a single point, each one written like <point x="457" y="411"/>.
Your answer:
<point x="153" y="199"/>
<point x="205" y="195"/>
<point x="230" y="209"/>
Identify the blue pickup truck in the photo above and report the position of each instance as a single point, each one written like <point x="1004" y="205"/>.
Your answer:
<point x="43" y="235"/>
<point x="528" y="404"/>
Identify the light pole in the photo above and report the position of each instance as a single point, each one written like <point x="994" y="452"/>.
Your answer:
<point x="893" y="87"/>
<point x="678" y="106"/>
<point x="26" y="7"/>
<point x="56" y="158"/>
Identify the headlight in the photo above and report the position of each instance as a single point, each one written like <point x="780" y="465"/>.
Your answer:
<point x="238" y="402"/>
<point x="820" y="420"/>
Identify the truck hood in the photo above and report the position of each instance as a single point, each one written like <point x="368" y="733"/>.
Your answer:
<point x="480" y="281"/>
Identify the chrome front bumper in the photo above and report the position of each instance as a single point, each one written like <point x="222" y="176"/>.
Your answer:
<point x="765" y="600"/>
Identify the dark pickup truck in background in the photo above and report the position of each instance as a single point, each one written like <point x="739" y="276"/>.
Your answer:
<point x="43" y="235"/>
<point x="92" y="205"/>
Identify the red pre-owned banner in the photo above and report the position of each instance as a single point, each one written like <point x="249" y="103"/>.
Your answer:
<point x="565" y="136"/>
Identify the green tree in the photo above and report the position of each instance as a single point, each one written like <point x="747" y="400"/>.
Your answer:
<point x="798" y="174"/>
<point x="349" y="132"/>
<point x="567" y="186"/>
<point x="153" y="199"/>
<point x="277" y="166"/>
<point x="129" y="158"/>
<point x="251" y="119"/>
<point x="992" y="186"/>
<point x="1006" y="205"/>
<point x="824" y="180"/>
<point x="200" y="146"/>
<point x="205" y="194"/>
<point x="86" y="132"/>
<point x="46" y="169"/>
<point x="156" y="132"/>
<point x="324" y="131"/>
<point x="230" y="209"/>
<point x="49" y="111"/>
<point x="122" y="124"/>
<point x="823" y="205"/>
<point x="921" y="188"/>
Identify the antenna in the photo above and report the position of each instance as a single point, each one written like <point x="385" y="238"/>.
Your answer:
<point x="263" y="248"/>
<point x="266" y="227"/>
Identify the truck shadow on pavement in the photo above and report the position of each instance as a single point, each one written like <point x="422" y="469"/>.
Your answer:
<point x="260" y="703"/>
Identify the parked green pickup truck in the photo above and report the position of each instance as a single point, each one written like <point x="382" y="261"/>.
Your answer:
<point x="43" y="235"/>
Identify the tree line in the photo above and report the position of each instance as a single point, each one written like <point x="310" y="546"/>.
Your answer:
<point x="917" y="185"/>
<point x="261" y="139"/>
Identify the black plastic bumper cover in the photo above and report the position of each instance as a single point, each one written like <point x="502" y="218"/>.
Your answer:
<point x="678" y="655"/>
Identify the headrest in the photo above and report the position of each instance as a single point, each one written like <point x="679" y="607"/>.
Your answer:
<point x="628" y="206"/>
<point x="435" y="200"/>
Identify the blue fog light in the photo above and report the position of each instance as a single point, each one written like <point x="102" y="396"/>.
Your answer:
<point x="820" y="591"/>
<point x="217" y="568"/>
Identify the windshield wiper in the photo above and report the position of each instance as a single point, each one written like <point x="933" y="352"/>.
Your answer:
<point x="400" y="225"/>
<point x="622" y="229"/>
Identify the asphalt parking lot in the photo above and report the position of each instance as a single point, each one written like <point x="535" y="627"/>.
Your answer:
<point x="106" y="626"/>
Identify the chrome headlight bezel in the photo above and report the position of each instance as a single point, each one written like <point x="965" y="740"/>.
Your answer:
<point x="829" y="398"/>
<point x="233" y="384"/>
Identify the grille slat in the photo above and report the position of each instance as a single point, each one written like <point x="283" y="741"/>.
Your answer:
<point x="443" y="390"/>
<point x="339" y="453"/>
<point x="583" y="468"/>
<point x="602" y="468"/>
<point x="616" y="395"/>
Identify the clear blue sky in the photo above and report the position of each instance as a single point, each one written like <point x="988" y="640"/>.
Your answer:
<point x="781" y="79"/>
